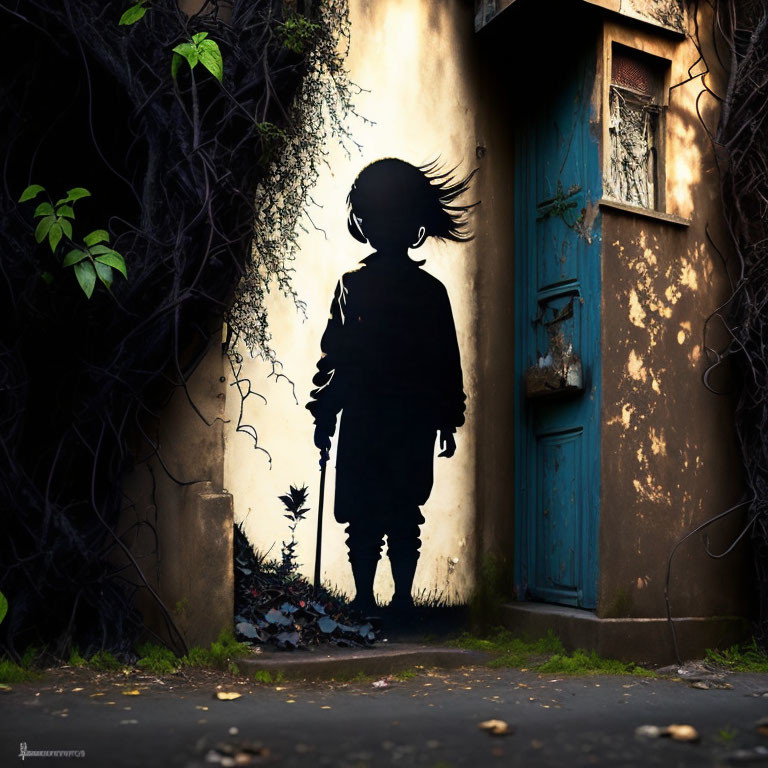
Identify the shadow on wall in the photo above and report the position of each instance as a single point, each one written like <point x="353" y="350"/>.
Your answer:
<point x="390" y="366"/>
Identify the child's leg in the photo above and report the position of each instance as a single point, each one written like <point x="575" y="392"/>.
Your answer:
<point x="403" y="544"/>
<point x="364" y="541"/>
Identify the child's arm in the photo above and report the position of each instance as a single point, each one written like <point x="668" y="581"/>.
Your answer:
<point x="327" y="398"/>
<point x="451" y="397"/>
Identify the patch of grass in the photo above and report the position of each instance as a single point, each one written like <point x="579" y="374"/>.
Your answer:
<point x="157" y="659"/>
<point x="265" y="676"/>
<point x="11" y="672"/>
<point x="406" y="674"/>
<point x="75" y="659"/>
<point x="510" y="650"/>
<point x="219" y="655"/>
<point x="104" y="661"/>
<point x="749" y="657"/>
<point x="546" y="655"/>
<point x="582" y="662"/>
<point x="26" y="669"/>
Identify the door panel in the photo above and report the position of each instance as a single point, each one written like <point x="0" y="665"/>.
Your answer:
<point x="557" y="263"/>
<point x="558" y="519"/>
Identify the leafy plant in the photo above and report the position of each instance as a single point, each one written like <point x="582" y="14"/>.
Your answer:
<point x="95" y="260"/>
<point x="91" y="260"/>
<point x="3" y="606"/>
<point x="201" y="49"/>
<point x="296" y="32"/>
<point x="54" y="218"/>
<point x="157" y="659"/>
<point x="134" y="13"/>
<point x="294" y="510"/>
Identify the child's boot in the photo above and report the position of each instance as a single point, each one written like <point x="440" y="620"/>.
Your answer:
<point x="403" y="572"/>
<point x="364" y="572"/>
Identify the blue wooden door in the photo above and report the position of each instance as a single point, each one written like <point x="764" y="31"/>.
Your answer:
<point x="557" y="317"/>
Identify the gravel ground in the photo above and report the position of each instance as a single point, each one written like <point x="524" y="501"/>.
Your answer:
<point x="430" y="719"/>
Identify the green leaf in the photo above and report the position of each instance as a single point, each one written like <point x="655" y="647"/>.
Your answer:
<point x="104" y="272"/>
<point x="133" y="14"/>
<point x="199" y="37"/>
<point x="94" y="249"/>
<point x="75" y="255"/>
<point x="41" y="230"/>
<point x="3" y="607"/>
<point x="210" y="58"/>
<point x="86" y="276"/>
<point x="64" y="210"/>
<point x="189" y="52"/>
<point x="76" y="193"/>
<point x="114" y="259"/>
<point x="97" y="236"/>
<point x="66" y="226"/>
<point x="47" y="278"/>
<point x="54" y="235"/>
<point x="44" y="209"/>
<point x="31" y="192"/>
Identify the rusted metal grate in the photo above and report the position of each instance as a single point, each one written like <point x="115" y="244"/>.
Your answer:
<point x="629" y="72"/>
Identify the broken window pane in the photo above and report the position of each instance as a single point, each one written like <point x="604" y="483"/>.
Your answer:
<point x="634" y="128"/>
<point x="633" y="167"/>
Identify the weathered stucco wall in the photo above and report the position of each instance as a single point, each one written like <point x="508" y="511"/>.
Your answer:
<point x="176" y="520"/>
<point x="413" y="59"/>
<point x="668" y="458"/>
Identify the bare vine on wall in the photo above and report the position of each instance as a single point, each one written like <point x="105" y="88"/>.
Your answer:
<point x="189" y="165"/>
<point x="736" y="40"/>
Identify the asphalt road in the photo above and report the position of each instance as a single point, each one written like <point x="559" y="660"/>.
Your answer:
<point x="428" y="720"/>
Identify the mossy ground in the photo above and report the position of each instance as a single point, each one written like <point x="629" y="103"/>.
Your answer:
<point x="749" y="657"/>
<point x="546" y="654"/>
<point x="156" y="659"/>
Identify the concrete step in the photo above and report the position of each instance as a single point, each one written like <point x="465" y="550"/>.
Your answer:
<point x="346" y="663"/>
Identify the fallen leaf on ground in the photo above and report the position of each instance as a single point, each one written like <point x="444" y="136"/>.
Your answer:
<point x="494" y="727"/>
<point x="5" y="688"/>
<point x="649" y="731"/>
<point x="227" y="695"/>
<point x="134" y="692"/>
<point x="683" y="732"/>
<point x="705" y="685"/>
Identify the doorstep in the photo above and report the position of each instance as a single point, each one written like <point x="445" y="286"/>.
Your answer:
<point x="644" y="641"/>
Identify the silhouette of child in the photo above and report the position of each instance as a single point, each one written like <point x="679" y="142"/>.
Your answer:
<point x="390" y="363"/>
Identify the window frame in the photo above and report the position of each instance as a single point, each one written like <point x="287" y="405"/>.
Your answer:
<point x="659" y="54"/>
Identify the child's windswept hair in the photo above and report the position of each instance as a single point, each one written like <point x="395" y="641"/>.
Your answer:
<point x="393" y="199"/>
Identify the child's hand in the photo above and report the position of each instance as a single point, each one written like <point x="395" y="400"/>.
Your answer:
<point x="323" y="442"/>
<point x="447" y="444"/>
